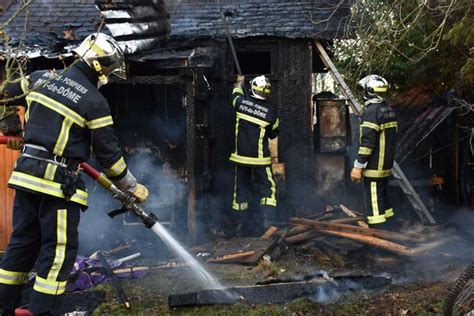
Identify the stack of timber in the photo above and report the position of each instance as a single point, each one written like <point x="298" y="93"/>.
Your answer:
<point x="310" y="234"/>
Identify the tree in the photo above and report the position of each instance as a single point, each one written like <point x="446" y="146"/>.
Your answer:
<point x="411" y="43"/>
<point x="14" y="65"/>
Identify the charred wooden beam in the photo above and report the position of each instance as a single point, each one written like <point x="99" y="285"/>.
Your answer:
<point x="307" y="235"/>
<point x="372" y="241"/>
<point x="272" y="293"/>
<point x="232" y="257"/>
<point x="346" y="220"/>
<point x="352" y="214"/>
<point x="319" y="225"/>
<point x="269" y="233"/>
<point x="296" y="231"/>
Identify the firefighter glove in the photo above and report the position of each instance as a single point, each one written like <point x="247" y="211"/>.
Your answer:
<point x="240" y="77"/>
<point x="356" y="174"/>
<point x="127" y="183"/>
<point x="140" y="193"/>
<point x="14" y="143"/>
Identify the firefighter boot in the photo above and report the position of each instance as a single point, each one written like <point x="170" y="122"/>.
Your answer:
<point x="252" y="224"/>
<point x="233" y="224"/>
<point x="389" y="225"/>
<point x="268" y="216"/>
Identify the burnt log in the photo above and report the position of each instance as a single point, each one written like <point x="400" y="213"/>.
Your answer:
<point x="274" y="293"/>
<point x="319" y="226"/>
<point x="373" y="241"/>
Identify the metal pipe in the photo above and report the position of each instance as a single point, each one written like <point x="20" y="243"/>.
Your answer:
<point x="231" y="43"/>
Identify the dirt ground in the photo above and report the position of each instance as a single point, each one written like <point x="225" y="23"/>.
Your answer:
<point x="418" y="287"/>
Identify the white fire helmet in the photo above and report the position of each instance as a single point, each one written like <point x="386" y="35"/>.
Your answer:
<point x="373" y="85"/>
<point x="103" y="54"/>
<point x="260" y="87"/>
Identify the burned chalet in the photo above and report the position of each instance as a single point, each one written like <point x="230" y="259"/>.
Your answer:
<point x="175" y="109"/>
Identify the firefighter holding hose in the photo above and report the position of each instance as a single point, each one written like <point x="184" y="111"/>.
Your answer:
<point x="376" y="150"/>
<point x="66" y="116"/>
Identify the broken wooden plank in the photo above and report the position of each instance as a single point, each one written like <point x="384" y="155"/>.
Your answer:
<point x="329" y="210"/>
<point x="295" y="239"/>
<point x="231" y="257"/>
<point x="237" y="245"/>
<point x="279" y="247"/>
<point x="372" y="241"/>
<point x="346" y="220"/>
<point x="296" y="230"/>
<point x="302" y="233"/>
<point x="351" y="213"/>
<point x="319" y="225"/>
<point x="269" y="233"/>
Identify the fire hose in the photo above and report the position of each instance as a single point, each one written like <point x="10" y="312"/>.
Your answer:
<point x="128" y="201"/>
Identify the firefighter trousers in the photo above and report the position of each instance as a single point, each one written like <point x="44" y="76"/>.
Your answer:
<point x="377" y="203"/>
<point x="248" y="179"/>
<point x="44" y="228"/>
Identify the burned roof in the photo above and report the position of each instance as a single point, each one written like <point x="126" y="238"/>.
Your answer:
<point x="323" y="19"/>
<point x="48" y="27"/>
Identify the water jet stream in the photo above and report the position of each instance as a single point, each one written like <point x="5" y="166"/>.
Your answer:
<point x="205" y="277"/>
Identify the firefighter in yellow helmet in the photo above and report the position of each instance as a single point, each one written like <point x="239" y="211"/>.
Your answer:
<point x="376" y="149"/>
<point x="66" y="116"/>
<point x="256" y="121"/>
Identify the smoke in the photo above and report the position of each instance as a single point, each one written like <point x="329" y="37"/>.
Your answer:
<point x="333" y="292"/>
<point x="439" y="254"/>
<point x="97" y="231"/>
<point x="95" y="226"/>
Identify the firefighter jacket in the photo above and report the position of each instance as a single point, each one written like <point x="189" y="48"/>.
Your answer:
<point x="69" y="117"/>
<point x="377" y="140"/>
<point x="255" y="122"/>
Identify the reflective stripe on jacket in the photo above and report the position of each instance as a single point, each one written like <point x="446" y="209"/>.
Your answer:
<point x="255" y="122"/>
<point x="68" y="116"/>
<point x="377" y="140"/>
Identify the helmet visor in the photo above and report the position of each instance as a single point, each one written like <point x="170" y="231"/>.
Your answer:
<point x="114" y="64"/>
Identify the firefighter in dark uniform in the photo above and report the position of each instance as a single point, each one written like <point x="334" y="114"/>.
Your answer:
<point x="376" y="150"/>
<point x="66" y="117"/>
<point x="256" y="121"/>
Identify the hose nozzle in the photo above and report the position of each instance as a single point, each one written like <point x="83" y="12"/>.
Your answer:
<point x="149" y="220"/>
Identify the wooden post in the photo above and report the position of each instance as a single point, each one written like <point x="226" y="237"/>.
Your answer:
<point x="188" y="103"/>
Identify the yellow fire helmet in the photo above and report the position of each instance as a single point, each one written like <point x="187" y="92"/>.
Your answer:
<point x="260" y="87"/>
<point x="103" y="54"/>
<point x="373" y="85"/>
